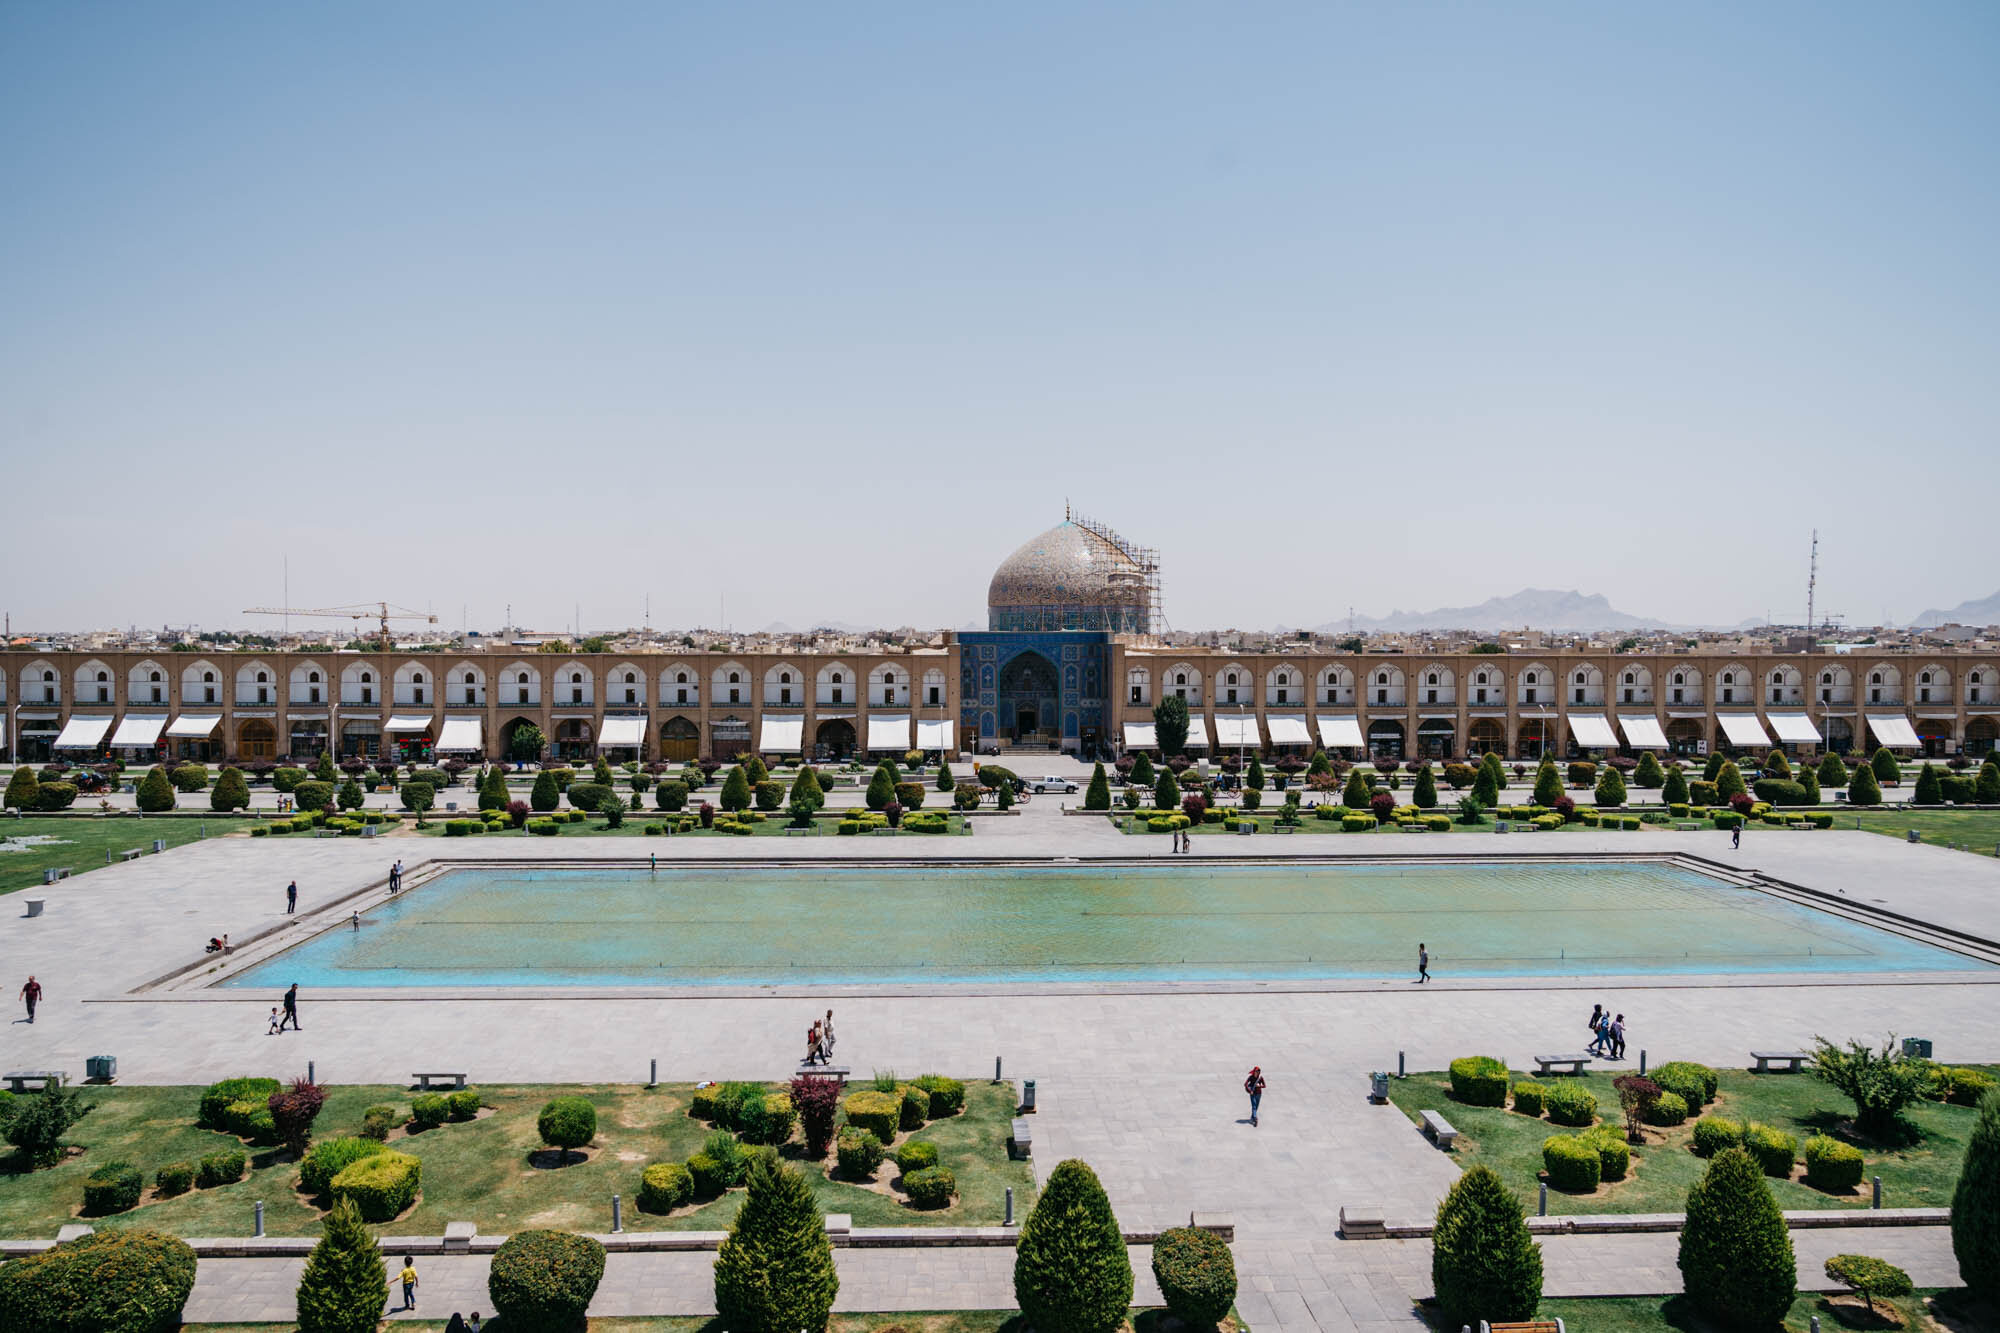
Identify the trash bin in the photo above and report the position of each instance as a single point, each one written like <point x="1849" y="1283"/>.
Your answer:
<point x="100" y="1068"/>
<point x="1027" y="1095"/>
<point x="1378" y="1088"/>
<point x="159" y="845"/>
<point x="35" y="906"/>
<point x="1917" y="1048"/>
<point x="1915" y="836"/>
<point x="1245" y="828"/>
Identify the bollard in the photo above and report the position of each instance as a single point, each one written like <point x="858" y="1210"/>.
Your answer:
<point x="996" y="1069"/>
<point x="1878" y="1193"/>
<point x="1815" y="1324"/>
<point x="310" y="1070"/>
<point x="1542" y="1208"/>
<point x="1399" y="1066"/>
<point x="617" y="1216"/>
<point x="1010" y="1207"/>
<point x="260" y="1219"/>
<point x="653" y="1072"/>
<point x="1642" y="1062"/>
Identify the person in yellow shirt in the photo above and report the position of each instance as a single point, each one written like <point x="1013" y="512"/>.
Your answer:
<point x="409" y="1281"/>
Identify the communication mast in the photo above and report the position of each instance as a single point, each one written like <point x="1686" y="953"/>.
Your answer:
<point x="1143" y="573"/>
<point x="1812" y="582"/>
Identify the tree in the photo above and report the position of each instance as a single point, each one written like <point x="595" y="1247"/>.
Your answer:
<point x="888" y="765"/>
<point x="1485" y="788"/>
<point x="1809" y="784"/>
<point x="816" y="1100"/>
<point x="1636" y="1096"/>
<point x="945" y="781"/>
<point x="419" y="797"/>
<point x="1548" y="783"/>
<point x="566" y="1123"/>
<point x="774" y="1272"/>
<point x="1886" y="770"/>
<point x="1610" y="788"/>
<point x="1776" y="765"/>
<point x="1880" y="1083"/>
<point x="1729" y="780"/>
<point x="1929" y="790"/>
<point x="231" y="792"/>
<point x="493" y="790"/>
<point x="24" y="789"/>
<point x="754" y="771"/>
<point x="1649" y="774"/>
<point x="1986" y="787"/>
<point x="1675" y="791"/>
<point x="1356" y="795"/>
<point x="1142" y="770"/>
<point x="881" y="788"/>
<point x="1425" y="797"/>
<point x="39" y="1123"/>
<point x="1832" y="772"/>
<point x="293" y="1111"/>
<point x="546" y="795"/>
<point x="1484" y="1264"/>
<point x="1071" y="1271"/>
<point x="1471" y="811"/>
<point x="1170" y="724"/>
<point x="1098" y="795"/>
<point x="1975" y="1204"/>
<point x="525" y="745"/>
<point x="1320" y="764"/>
<point x="1254" y="779"/>
<point x="1166" y="791"/>
<point x="806" y="796"/>
<point x="155" y="792"/>
<point x="1868" y="1276"/>
<point x="324" y="770"/>
<point x="1712" y="765"/>
<point x="350" y="796"/>
<point x="613" y="809"/>
<point x="1863" y="789"/>
<point x="736" y="790"/>
<point x="1736" y="1256"/>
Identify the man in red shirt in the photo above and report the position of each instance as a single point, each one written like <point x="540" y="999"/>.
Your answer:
<point x="32" y="993"/>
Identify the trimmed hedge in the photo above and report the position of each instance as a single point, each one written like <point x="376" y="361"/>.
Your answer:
<point x="1196" y="1273"/>
<point x="216" y="1097"/>
<point x="174" y="1178"/>
<point x="1668" y="1109"/>
<point x="1694" y="1083"/>
<point x="329" y="1157"/>
<point x="1833" y="1166"/>
<point x="380" y="1185"/>
<point x="931" y="1187"/>
<point x="464" y="1104"/>
<point x="1479" y="1080"/>
<point x="542" y="1281"/>
<point x="112" y="1188"/>
<point x="1570" y="1105"/>
<point x="880" y="1113"/>
<point x="1530" y="1098"/>
<point x="221" y="1168"/>
<point x="709" y="1175"/>
<point x="665" y="1186"/>
<point x="1573" y="1163"/>
<point x="119" y="1281"/>
<point x="428" y="1110"/>
<point x="1774" y="1149"/>
<point x="768" y="1118"/>
<point x="1714" y="1133"/>
<point x="858" y="1153"/>
<point x="916" y="1106"/>
<point x="916" y="1155"/>
<point x="947" y="1094"/>
<point x="1614" y="1157"/>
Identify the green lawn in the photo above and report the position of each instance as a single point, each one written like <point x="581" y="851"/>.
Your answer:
<point x="487" y="1170"/>
<point x="1676" y="1314"/>
<point x="1978" y="830"/>
<point x="1921" y="1175"/>
<point x="83" y="842"/>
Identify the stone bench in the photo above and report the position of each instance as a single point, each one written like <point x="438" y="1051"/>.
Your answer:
<point x="1575" y="1063"/>
<point x="130" y="854"/>
<point x="839" y="1073"/>
<point x="43" y="1079"/>
<point x="1792" y="1060"/>
<point x="1439" y="1129"/>
<point x="1021" y="1140"/>
<point x="424" y="1080"/>
<point x="1525" y="1326"/>
<point x="1360" y="1221"/>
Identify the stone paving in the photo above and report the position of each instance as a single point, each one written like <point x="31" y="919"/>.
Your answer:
<point x="1144" y="1086"/>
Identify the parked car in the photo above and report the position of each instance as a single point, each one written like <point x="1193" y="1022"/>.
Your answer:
<point x="1054" y="784"/>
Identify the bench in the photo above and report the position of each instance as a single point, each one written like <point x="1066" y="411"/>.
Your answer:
<point x="424" y="1080"/>
<point x="839" y="1073"/>
<point x="1575" y="1063"/>
<point x="43" y="1079"/>
<point x="1526" y="1326"/>
<point x="130" y="854"/>
<point x="1362" y="1220"/>
<point x="1439" y="1129"/>
<point x="1791" y="1060"/>
<point x="1021" y="1141"/>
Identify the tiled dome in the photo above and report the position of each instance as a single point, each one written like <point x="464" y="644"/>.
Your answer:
<point x="1067" y="578"/>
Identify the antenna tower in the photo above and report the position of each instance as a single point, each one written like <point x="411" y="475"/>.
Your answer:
<point x="1812" y="581"/>
<point x="1145" y="558"/>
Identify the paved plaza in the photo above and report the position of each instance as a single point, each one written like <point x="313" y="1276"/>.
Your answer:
<point x="1144" y="1084"/>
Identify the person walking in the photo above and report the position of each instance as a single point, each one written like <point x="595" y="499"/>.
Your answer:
<point x="31" y="995"/>
<point x="1736" y="837"/>
<point x="408" y="1277"/>
<point x="1254" y="1085"/>
<point x="826" y="1036"/>
<point x="1423" y="963"/>
<point x="1618" y="1037"/>
<point x="291" y="897"/>
<point x="291" y="1008"/>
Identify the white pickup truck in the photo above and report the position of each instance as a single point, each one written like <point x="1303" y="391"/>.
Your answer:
<point x="1053" y="784"/>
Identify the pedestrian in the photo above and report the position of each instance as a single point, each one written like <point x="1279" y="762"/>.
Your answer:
<point x="408" y="1277"/>
<point x="32" y="995"/>
<point x="812" y="1045"/>
<point x="1736" y="837"/>
<point x="1423" y="963"/>
<point x="291" y="1008"/>
<point x="472" y="1324"/>
<point x="826" y="1035"/>
<point x="291" y="897"/>
<point x="357" y="918"/>
<point x="275" y="1026"/>
<point x="1618" y="1037"/>
<point x="654" y="857"/>
<point x="456" y="1324"/>
<point x="1254" y="1085"/>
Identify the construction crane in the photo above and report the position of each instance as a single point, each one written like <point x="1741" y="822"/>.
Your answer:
<point x="383" y="612"/>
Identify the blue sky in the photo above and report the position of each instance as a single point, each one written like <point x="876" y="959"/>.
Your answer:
<point x="824" y="309"/>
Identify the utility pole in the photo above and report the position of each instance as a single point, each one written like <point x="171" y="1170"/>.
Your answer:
<point x="1812" y="580"/>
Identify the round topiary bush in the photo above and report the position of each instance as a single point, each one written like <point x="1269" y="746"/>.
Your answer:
<point x="1484" y="1264"/>
<point x="880" y="1113"/>
<point x="1694" y="1084"/>
<point x="1668" y="1109"/>
<point x="542" y="1281"/>
<point x="174" y="1178"/>
<point x="1774" y="1149"/>
<point x="947" y="1094"/>
<point x="381" y="1185"/>
<point x="1736" y="1258"/>
<point x="665" y="1186"/>
<point x="1197" y="1275"/>
<point x="124" y="1281"/>
<point x="930" y="1187"/>
<point x="710" y="1176"/>
<point x="1530" y="1098"/>
<point x="1571" y="1105"/>
<point x="1572" y="1163"/>
<point x="112" y="1188"/>
<point x="464" y="1103"/>
<point x="1479" y="1080"/>
<point x="1831" y="1165"/>
<point x="916" y="1106"/>
<point x="858" y="1153"/>
<point x="916" y="1155"/>
<point x="428" y="1110"/>
<point x="1614" y="1157"/>
<point x="1714" y="1133"/>
<point x="567" y="1123"/>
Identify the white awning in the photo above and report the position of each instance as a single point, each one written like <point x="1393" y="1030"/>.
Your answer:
<point x="1642" y="731"/>
<point x="83" y="733"/>
<point x="627" y="732"/>
<point x="1341" y="731"/>
<point x="1289" y="729"/>
<point x="193" y="726"/>
<point x="937" y="735"/>
<point x="1141" y="736"/>
<point x="890" y="731"/>
<point x="1891" y="729"/>
<point x="1794" y="729"/>
<point x="410" y="722"/>
<point x="1592" y="731"/>
<point x="780" y="735"/>
<point x="1233" y="730"/>
<point x="1197" y="731"/>
<point x="138" y="729"/>
<point x="464" y="735"/>
<point x="1744" y="730"/>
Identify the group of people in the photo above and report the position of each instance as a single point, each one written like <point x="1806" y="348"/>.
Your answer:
<point x="1182" y="843"/>
<point x="1607" y="1033"/>
<point x="285" y="1015"/>
<point x="819" y="1041"/>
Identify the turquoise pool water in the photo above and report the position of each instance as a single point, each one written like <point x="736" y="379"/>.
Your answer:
<point x="960" y="924"/>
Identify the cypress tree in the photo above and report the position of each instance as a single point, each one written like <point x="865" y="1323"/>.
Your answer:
<point x="1728" y="780"/>
<point x="1491" y="760"/>
<point x="1166" y="791"/>
<point x="1254" y="779"/>
<point x="1776" y="765"/>
<point x="1675" y="790"/>
<point x="1832" y="772"/>
<point x="24" y="789"/>
<point x="1071" y="1271"/>
<point x="1320" y="764"/>
<point x="895" y="774"/>
<point x="754" y="771"/>
<point x="600" y="772"/>
<point x="324" y="770"/>
<point x="230" y="792"/>
<point x="350" y="796"/>
<point x="1809" y="783"/>
<point x="1425" y="797"/>
<point x="1485" y="789"/>
<point x="881" y="788"/>
<point x="1610" y="788"/>
<point x="736" y="790"/>
<point x="493" y="790"/>
<point x="1098" y="795"/>
<point x="945" y="781"/>
<point x="1929" y="790"/>
<point x="344" y="1285"/>
<point x="1863" y="789"/>
<point x="1975" y="1204"/>
<point x="774" y="1272"/>
<point x="1003" y="796"/>
<point x="1712" y="766"/>
<point x="1170" y="724"/>
<point x="1142" y="771"/>
<point x="1355" y="795"/>
<point x="1986" y="788"/>
<point x="807" y="794"/>
<point x="1886" y="769"/>
<point x="155" y="792"/>
<point x="1484" y="1264"/>
<point x="1548" y="783"/>
<point x="1649" y="774"/>
<point x="1736" y="1256"/>
<point x="546" y="795"/>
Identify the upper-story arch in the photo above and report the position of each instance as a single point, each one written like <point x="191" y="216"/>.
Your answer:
<point x="889" y="686"/>
<point x="256" y="685"/>
<point x="729" y="684"/>
<point x="837" y="686"/>
<point x="1585" y="686"/>
<point x="40" y="684"/>
<point x="201" y="683"/>
<point x="361" y="684"/>
<point x="1233" y="685"/>
<point x="465" y="685"/>
<point x="933" y="688"/>
<point x="1182" y="681"/>
<point x="1885" y="683"/>
<point x="1486" y="685"/>
<point x="1138" y="685"/>
<point x="94" y="684"/>
<point x="1933" y="684"/>
<point x="1284" y="686"/>
<point x="680" y="685"/>
<point x="1635" y="683"/>
<point x="146" y="683"/>
<point x="1437" y="685"/>
<point x="1982" y="683"/>
<point x="1834" y="685"/>
<point x="1683" y="684"/>
<point x="625" y="686"/>
<point x="308" y="686"/>
<point x="784" y="686"/>
<point x="1734" y="685"/>
<point x="575" y="685"/>
<point x="1385" y="686"/>
<point x="1784" y="684"/>
<point x="520" y="684"/>
<point x="1335" y="686"/>
<point x="1535" y="685"/>
<point x="416" y="684"/>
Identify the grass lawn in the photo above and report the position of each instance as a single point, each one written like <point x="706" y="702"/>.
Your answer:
<point x="1926" y="1310"/>
<point x="908" y="1321"/>
<point x="82" y="843"/>
<point x="490" y="1170"/>
<point x="1978" y="829"/>
<point x="1921" y="1175"/>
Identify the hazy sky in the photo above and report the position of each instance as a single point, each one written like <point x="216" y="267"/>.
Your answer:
<point x="827" y="307"/>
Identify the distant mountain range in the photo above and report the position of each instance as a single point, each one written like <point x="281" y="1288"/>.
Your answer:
<point x="1985" y="611"/>
<point x="1531" y="608"/>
